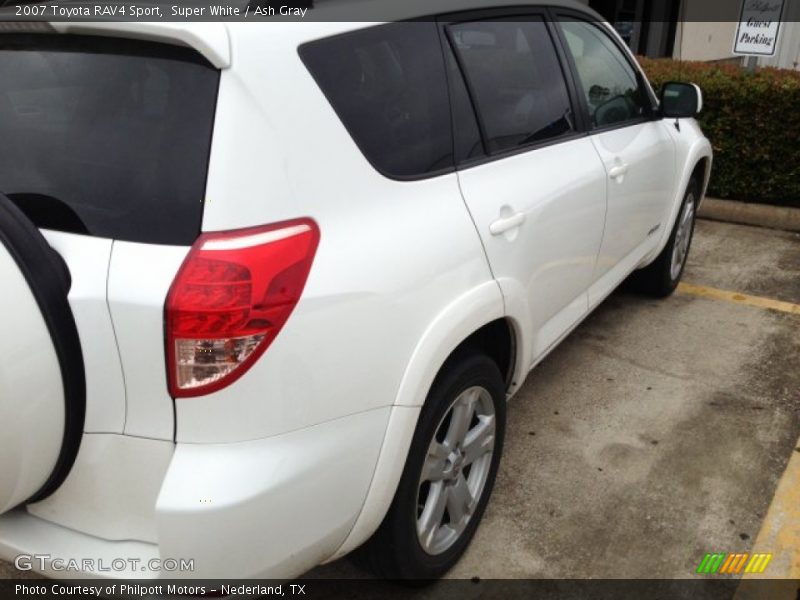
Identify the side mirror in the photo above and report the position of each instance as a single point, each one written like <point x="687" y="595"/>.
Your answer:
<point x="681" y="100"/>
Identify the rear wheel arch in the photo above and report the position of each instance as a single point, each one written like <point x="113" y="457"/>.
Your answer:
<point x="497" y="340"/>
<point x="468" y="386"/>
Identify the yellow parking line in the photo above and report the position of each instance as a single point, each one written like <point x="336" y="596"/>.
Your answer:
<point x="780" y="531"/>
<point x="780" y="537"/>
<point x="737" y="298"/>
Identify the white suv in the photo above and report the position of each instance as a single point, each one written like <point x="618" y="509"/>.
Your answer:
<point x="267" y="288"/>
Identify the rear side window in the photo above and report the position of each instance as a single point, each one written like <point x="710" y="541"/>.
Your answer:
<point x="106" y="137"/>
<point x="388" y="85"/>
<point x="515" y="79"/>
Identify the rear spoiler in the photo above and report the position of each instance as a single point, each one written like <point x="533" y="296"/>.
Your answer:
<point x="210" y="40"/>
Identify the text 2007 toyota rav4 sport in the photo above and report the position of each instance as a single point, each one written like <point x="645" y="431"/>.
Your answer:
<point x="267" y="288"/>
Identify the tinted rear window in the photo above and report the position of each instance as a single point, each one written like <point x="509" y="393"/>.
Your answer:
<point x="389" y="87"/>
<point x="106" y="137"/>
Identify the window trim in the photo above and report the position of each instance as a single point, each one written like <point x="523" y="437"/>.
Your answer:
<point x="651" y="114"/>
<point x="451" y="85"/>
<point x="446" y="22"/>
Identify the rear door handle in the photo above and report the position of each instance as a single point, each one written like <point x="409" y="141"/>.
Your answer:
<point x="500" y="226"/>
<point x="617" y="171"/>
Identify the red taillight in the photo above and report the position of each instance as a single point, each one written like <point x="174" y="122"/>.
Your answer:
<point x="229" y="300"/>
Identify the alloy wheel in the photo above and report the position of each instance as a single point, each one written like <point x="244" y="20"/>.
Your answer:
<point x="455" y="470"/>
<point x="683" y="236"/>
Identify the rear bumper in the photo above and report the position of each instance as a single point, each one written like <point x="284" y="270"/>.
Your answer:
<point x="270" y="508"/>
<point x="31" y="543"/>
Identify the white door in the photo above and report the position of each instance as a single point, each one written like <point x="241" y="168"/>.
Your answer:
<point x="634" y="145"/>
<point x="537" y="195"/>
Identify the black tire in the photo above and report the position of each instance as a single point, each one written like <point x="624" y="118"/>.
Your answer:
<point x="658" y="279"/>
<point x="395" y="551"/>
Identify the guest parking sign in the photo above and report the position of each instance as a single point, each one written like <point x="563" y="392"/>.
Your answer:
<point x="759" y="25"/>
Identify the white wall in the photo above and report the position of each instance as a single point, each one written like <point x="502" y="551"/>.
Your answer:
<point x="704" y="40"/>
<point x="698" y="37"/>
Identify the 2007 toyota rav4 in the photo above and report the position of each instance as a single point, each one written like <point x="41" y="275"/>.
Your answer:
<point x="267" y="288"/>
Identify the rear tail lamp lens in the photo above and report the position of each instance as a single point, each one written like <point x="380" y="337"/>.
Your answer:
<point x="230" y="299"/>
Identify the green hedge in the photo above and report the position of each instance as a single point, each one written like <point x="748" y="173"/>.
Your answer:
<point x="753" y="122"/>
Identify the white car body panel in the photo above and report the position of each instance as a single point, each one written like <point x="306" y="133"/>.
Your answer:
<point x="112" y="488"/>
<point x="288" y="389"/>
<point x="468" y="313"/>
<point x="87" y="259"/>
<point x="637" y="199"/>
<point x="139" y="277"/>
<point x="389" y="469"/>
<point x="285" y="515"/>
<point x="391" y="270"/>
<point x="550" y="256"/>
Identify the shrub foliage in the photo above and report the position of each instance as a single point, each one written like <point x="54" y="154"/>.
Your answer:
<point x="753" y="122"/>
